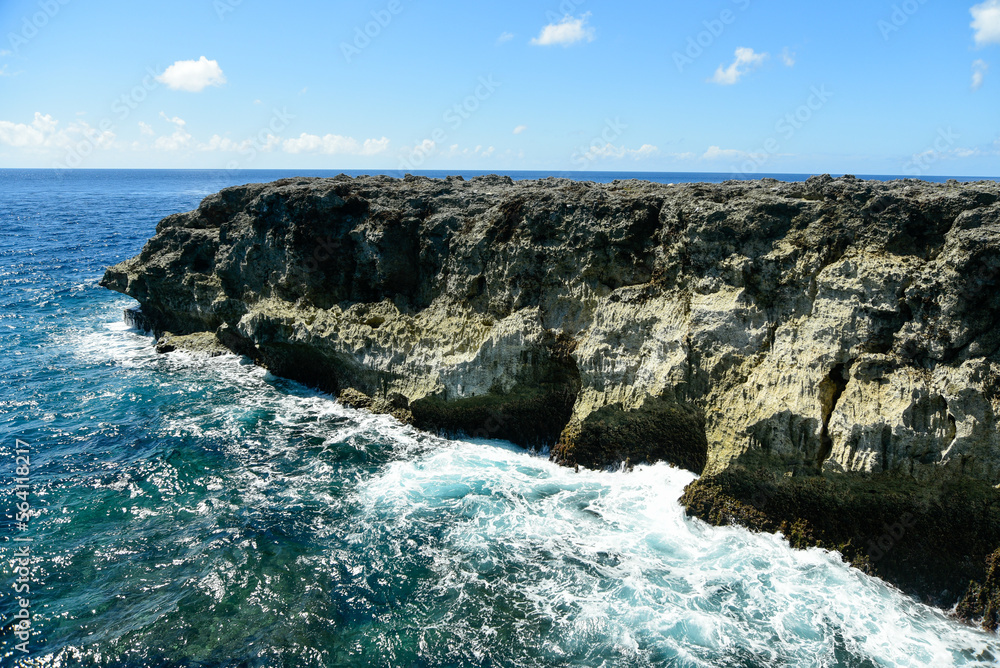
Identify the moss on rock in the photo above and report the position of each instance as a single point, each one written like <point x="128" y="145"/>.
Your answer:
<point x="982" y="600"/>
<point x="929" y="540"/>
<point x="203" y="343"/>
<point x="355" y="399"/>
<point x="657" y="431"/>
<point x="529" y="415"/>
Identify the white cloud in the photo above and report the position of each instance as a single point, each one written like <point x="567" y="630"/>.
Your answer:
<point x="746" y="61"/>
<point x="44" y="133"/>
<point x="424" y="148"/>
<point x="220" y="143"/>
<point x="193" y="76"/>
<point x="3" y="68"/>
<point x="504" y="38"/>
<point x="519" y="129"/>
<point x="227" y="145"/>
<point x="36" y="134"/>
<point x="104" y="140"/>
<point x="179" y="139"/>
<point x="932" y="155"/>
<point x="568" y="31"/>
<point x="986" y="22"/>
<point x="335" y="145"/>
<point x="375" y="146"/>
<point x="455" y="151"/>
<point x="176" y="120"/>
<point x="788" y="57"/>
<point x="717" y="153"/>
<point x="979" y="69"/>
<point x="610" y="151"/>
<point x="45" y="124"/>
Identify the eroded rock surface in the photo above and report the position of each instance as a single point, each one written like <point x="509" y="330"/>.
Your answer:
<point x="836" y="329"/>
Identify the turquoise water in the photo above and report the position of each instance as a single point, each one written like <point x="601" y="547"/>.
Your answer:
<point x="188" y="511"/>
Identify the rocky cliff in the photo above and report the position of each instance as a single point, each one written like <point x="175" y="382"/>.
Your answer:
<point x="826" y="354"/>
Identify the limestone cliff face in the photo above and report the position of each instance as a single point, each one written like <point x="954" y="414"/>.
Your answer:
<point x="835" y="325"/>
<point x="826" y="354"/>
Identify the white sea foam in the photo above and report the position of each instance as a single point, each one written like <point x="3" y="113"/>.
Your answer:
<point x="601" y="565"/>
<point x="613" y="559"/>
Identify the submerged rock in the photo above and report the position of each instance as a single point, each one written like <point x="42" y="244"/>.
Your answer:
<point x="826" y="354"/>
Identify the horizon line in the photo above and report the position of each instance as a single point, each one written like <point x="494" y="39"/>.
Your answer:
<point x="457" y="172"/>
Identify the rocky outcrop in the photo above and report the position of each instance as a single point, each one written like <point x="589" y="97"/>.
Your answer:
<point x="809" y="348"/>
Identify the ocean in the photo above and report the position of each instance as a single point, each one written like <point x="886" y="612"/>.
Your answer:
<point x="176" y="510"/>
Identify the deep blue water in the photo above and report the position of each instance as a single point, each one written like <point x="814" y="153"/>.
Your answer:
<point x="187" y="511"/>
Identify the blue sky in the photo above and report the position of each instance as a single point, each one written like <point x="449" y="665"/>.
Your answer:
<point x="740" y="86"/>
